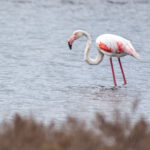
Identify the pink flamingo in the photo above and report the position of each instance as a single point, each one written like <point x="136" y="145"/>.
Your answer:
<point x="108" y="44"/>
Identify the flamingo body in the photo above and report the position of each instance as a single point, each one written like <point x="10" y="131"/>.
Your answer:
<point x="115" y="46"/>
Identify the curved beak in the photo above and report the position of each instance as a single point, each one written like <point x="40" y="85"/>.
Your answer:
<point x="70" y="41"/>
<point x="70" y="46"/>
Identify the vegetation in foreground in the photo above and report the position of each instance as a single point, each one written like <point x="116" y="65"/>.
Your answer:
<point x="119" y="134"/>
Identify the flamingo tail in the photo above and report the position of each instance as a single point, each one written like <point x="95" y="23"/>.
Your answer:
<point x="131" y="51"/>
<point x="135" y="55"/>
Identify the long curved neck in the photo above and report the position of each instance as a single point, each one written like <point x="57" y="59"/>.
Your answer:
<point x="87" y="58"/>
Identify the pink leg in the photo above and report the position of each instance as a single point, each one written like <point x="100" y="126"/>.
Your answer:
<point x="113" y="72"/>
<point x="125" y="82"/>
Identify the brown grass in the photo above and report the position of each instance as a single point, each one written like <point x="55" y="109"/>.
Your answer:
<point x="116" y="134"/>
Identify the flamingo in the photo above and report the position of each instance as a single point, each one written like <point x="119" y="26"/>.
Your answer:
<point x="107" y="44"/>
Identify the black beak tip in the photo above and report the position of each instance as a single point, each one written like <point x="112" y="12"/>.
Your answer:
<point x="70" y="46"/>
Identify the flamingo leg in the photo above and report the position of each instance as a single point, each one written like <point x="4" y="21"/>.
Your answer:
<point x="125" y="82"/>
<point x="112" y="68"/>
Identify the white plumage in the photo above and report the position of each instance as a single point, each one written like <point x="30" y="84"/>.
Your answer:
<point x="111" y="41"/>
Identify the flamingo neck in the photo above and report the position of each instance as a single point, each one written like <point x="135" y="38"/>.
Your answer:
<point x="87" y="58"/>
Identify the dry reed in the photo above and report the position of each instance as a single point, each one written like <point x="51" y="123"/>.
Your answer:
<point x="116" y="134"/>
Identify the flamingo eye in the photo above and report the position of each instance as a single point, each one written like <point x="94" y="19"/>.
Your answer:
<point x="75" y="34"/>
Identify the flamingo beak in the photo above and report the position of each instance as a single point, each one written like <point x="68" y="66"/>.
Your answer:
<point x="70" y="46"/>
<point x="71" y="40"/>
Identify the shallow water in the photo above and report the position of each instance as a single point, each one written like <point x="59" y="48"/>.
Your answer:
<point x="40" y="75"/>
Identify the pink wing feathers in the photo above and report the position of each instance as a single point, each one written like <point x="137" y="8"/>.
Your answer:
<point x="116" y="44"/>
<point x="113" y="49"/>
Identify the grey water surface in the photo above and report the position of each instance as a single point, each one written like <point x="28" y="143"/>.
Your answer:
<point x="39" y="75"/>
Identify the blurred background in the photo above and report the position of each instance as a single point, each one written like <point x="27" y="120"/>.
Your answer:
<point x="39" y="75"/>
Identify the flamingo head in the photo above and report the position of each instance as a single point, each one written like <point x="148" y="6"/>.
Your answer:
<point x="76" y="35"/>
